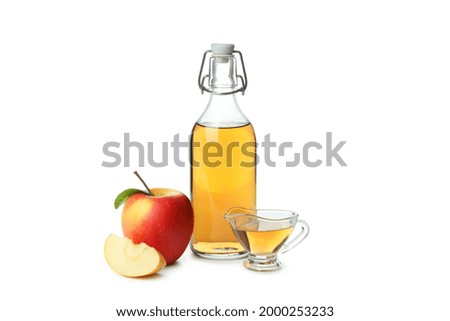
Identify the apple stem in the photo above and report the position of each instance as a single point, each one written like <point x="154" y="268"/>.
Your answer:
<point x="140" y="178"/>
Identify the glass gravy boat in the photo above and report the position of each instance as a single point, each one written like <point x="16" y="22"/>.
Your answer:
<point x="265" y="233"/>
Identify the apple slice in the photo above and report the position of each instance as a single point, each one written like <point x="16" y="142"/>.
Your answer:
<point x="132" y="260"/>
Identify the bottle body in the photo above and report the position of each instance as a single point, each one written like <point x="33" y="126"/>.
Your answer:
<point x="223" y="175"/>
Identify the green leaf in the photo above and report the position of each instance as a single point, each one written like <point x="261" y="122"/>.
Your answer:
<point x="122" y="197"/>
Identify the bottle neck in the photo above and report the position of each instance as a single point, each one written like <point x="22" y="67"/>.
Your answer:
<point x="223" y="111"/>
<point x="223" y="74"/>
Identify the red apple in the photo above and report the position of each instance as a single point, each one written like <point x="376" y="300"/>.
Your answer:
<point x="161" y="218"/>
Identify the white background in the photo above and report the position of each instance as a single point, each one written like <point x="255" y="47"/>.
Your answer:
<point x="77" y="74"/>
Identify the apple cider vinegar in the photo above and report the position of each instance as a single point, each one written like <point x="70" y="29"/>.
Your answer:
<point x="223" y="157"/>
<point x="221" y="182"/>
<point x="262" y="242"/>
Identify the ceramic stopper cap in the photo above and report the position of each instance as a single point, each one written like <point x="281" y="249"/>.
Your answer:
<point x="222" y="48"/>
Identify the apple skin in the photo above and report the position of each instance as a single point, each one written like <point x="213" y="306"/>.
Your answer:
<point x="164" y="221"/>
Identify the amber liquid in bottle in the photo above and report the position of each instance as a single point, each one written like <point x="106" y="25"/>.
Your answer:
<point x="219" y="183"/>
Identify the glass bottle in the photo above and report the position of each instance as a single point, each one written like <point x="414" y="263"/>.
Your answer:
<point x="223" y="157"/>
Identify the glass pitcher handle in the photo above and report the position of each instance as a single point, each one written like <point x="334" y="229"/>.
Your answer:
<point x="300" y="236"/>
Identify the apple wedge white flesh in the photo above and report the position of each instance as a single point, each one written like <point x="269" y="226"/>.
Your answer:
<point x="132" y="260"/>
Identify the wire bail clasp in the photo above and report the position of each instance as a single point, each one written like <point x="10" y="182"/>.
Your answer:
<point x="242" y="80"/>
